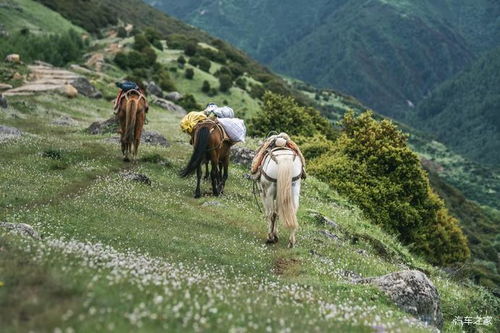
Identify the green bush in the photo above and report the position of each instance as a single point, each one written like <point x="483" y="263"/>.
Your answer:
<point x="282" y="114"/>
<point x="371" y="164"/>
<point x="205" y="87"/>
<point x="189" y="103"/>
<point x="190" y="49"/>
<point x="225" y="82"/>
<point x="189" y="73"/>
<point x="204" y="64"/>
<point x="181" y="60"/>
<point x="241" y="83"/>
<point x="56" y="49"/>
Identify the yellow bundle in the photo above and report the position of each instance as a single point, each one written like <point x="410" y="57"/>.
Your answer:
<point x="190" y="120"/>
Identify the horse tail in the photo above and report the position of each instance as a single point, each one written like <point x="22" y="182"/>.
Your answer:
<point x="199" y="151"/>
<point x="130" y="117"/>
<point x="286" y="206"/>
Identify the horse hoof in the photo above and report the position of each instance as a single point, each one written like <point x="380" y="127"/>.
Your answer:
<point x="270" y="241"/>
<point x="197" y="195"/>
<point x="126" y="159"/>
<point x="290" y="245"/>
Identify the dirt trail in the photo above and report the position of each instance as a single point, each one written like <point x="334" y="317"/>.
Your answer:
<point x="43" y="78"/>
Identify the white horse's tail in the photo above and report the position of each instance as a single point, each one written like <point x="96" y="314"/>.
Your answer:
<point x="284" y="199"/>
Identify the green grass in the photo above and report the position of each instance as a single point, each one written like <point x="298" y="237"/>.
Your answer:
<point x="19" y="14"/>
<point x="209" y="268"/>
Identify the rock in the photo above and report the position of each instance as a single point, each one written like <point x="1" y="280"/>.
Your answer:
<point x="7" y="133"/>
<point x="154" y="138"/>
<point x="85" y="88"/>
<point x="413" y="292"/>
<point x="242" y="155"/>
<point x="173" y="96"/>
<point x="5" y="86"/>
<point x="107" y="126"/>
<point x="321" y="219"/>
<point x="70" y="91"/>
<point x="21" y="228"/>
<point x="212" y="203"/>
<point x="170" y="106"/>
<point x="14" y="58"/>
<point x="64" y="121"/>
<point x="3" y="102"/>
<point x="137" y="177"/>
<point x="96" y="61"/>
<point x="329" y="235"/>
<point x="42" y="63"/>
<point x="17" y="76"/>
<point x="153" y="89"/>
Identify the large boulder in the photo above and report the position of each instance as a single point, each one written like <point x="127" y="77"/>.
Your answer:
<point x="154" y="138"/>
<point x="5" y="86"/>
<point x="173" y="96"/>
<point x="15" y="58"/>
<point x="20" y="228"/>
<point x="102" y="127"/>
<point x="85" y="88"/>
<point x="170" y="106"/>
<point x="413" y="292"/>
<point x="7" y="133"/>
<point x="242" y="155"/>
<point x="69" y="91"/>
<point x="153" y="89"/>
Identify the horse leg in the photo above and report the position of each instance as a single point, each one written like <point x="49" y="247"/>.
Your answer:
<point x="138" y="131"/>
<point x="295" y="198"/>
<point x="206" y="170"/>
<point x="197" y="192"/>
<point x="267" y="195"/>
<point x="215" y="177"/>
<point x="225" y="167"/>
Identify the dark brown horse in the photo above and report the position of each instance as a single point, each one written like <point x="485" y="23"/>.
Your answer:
<point x="209" y="146"/>
<point x="131" y="114"/>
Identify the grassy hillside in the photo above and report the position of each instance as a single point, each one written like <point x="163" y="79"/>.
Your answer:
<point x="124" y="256"/>
<point x="463" y="112"/>
<point x="180" y="263"/>
<point x="20" y="14"/>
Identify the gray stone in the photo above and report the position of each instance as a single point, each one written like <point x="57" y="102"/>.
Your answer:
<point x="212" y="203"/>
<point x="154" y="138"/>
<point x="153" y="89"/>
<point x="20" y="228"/>
<point x="137" y="177"/>
<point x="321" y="219"/>
<point x="173" y="96"/>
<point x="413" y="292"/>
<point x="170" y="106"/>
<point x="64" y="121"/>
<point x="3" y="102"/>
<point x="7" y="133"/>
<point x="242" y="155"/>
<point x="102" y="127"/>
<point x="85" y="88"/>
<point x="329" y="235"/>
<point x="5" y="86"/>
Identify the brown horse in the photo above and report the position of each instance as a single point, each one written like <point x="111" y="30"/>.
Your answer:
<point x="131" y="114"/>
<point x="209" y="146"/>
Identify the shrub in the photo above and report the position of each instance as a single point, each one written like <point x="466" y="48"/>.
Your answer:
<point x="371" y="164"/>
<point x="282" y="114"/>
<point x="122" y="33"/>
<point x="205" y="87"/>
<point x="204" y="64"/>
<point x="241" y="83"/>
<point x="190" y="49"/>
<point x="189" y="73"/>
<point x="121" y="59"/>
<point x="189" y="103"/>
<point x="225" y="82"/>
<point x="181" y="60"/>
<point x="140" y="42"/>
<point x="193" y="61"/>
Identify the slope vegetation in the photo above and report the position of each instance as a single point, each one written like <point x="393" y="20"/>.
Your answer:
<point x="463" y="112"/>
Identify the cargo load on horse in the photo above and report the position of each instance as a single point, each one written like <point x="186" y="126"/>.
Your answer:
<point x="267" y="146"/>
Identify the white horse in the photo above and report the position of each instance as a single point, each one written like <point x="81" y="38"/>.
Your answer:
<point x="279" y="186"/>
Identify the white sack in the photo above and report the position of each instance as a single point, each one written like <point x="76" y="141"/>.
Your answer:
<point x="235" y="128"/>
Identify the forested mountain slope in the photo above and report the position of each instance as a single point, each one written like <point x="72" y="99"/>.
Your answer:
<point x="386" y="53"/>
